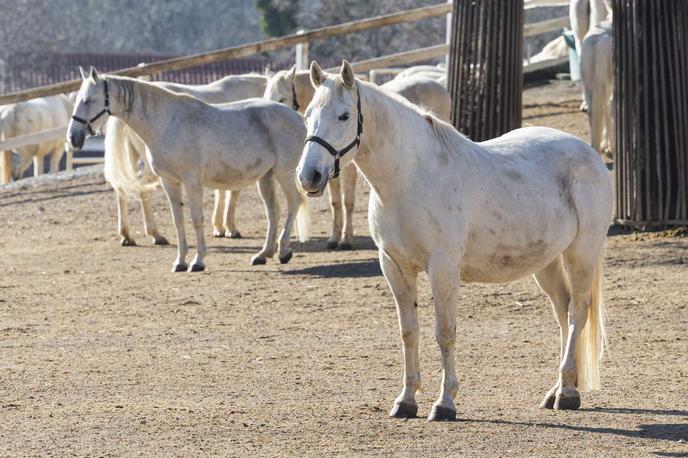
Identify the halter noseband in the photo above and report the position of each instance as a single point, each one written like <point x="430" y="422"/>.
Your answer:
<point x="106" y="109"/>
<point x="332" y="150"/>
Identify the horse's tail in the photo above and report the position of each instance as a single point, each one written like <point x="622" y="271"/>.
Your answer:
<point x="593" y="339"/>
<point x="121" y="160"/>
<point x="303" y="218"/>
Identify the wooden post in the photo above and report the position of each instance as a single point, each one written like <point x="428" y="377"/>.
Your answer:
<point x="485" y="69"/>
<point x="651" y="113"/>
<point x="301" y="59"/>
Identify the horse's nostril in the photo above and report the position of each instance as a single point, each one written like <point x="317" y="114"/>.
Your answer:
<point x="316" y="177"/>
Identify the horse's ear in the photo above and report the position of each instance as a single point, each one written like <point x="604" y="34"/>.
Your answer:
<point x="292" y="72"/>
<point x="94" y="74"/>
<point x="317" y="75"/>
<point x="84" y="75"/>
<point x="347" y="74"/>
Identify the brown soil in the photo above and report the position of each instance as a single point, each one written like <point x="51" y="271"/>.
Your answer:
<point x="103" y="351"/>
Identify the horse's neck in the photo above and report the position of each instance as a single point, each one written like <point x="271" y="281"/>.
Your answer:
<point x="144" y="107"/>
<point x="390" y="144"/>
<point x="304" y="89"/>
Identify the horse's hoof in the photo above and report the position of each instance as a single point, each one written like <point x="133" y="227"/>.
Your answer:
<point x="548" y="402"/>
<point x="344" y="246"/>
<point x="233" y="234"/>
<point x="331" y="245"/>
<point x="179" y="268"/>
<point x="160" y="240"/>
<point x="439" y="413"/>
<point x="286" y="258"/>
<point x="126" y="241"/>
<point x="404" y="409"/>
<point x="196" y="268"/>
<point x="567" y="403"/>
<point x="258" y="261"/>
<point x="218" y="233"/>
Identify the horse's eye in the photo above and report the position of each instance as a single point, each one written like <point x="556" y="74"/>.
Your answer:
<point x="344" y="117"/>
<point x="281" y="100"/>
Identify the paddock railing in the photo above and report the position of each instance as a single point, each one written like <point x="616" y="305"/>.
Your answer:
<point x="300" y="40"/>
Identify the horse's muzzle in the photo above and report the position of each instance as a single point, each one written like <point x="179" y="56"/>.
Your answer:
<point x="77" y="138"/>
<point x="313" y="182"/>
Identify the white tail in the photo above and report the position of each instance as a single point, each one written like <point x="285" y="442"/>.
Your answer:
<point x="303" y="220"/>
<point x="593" y="338"/>
<point x="122" y="153"/>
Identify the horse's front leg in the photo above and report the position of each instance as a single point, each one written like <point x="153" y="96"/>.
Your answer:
<point x="334" y="187"/>
<point x="444" y="282"/>
<point x="37" y="165"/>
<point x="218" y="229"/>
<point x="194" y="192"/>
<point x="6" y="166"/>
<point x="402" y="282"/>
<point x="55" y="159"/>
<point x="230" y="216"/>
<point x="174" y="195"/>
<point x="349" y="175"/>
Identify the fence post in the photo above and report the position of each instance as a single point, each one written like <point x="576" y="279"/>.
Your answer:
<point x="651" y="113"/>
<point x="485" y="68"/>
<point x="448" y="35"/>
<point x="301" y="59"/>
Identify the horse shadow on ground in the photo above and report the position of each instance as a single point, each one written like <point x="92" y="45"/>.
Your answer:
<point x="659" y="431"/>
<point x="318" y="245"/>
<point x="353" y="269"/>
<point x="54" y="195"/>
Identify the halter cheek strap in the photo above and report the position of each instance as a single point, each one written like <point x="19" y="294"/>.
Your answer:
<point x="332" y="150"/>
<point x="294" y="101"/>
<point x="106" y="109"/>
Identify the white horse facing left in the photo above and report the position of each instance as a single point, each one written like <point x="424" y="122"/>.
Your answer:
<point x="534" y="201"/>
<point x="32" y="116"/>
<point x="192" y="145"/>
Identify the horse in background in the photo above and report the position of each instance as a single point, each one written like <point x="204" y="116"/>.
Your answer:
<point x="191" y="144"/>
<point x="536" y="201"/>
<point x="597" y="73"/>
<point x="294" y="88"/>
<point x="124" y="150"/>
<point x="29" y="117"/>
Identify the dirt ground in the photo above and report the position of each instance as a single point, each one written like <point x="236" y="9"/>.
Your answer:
<point x="103" y="351"/>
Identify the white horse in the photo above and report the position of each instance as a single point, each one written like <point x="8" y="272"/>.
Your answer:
<point x="295" y="89"/>
<point x="585" y="14"/>
<point x="534" y="201"/>
<point x="597" y="73"/>
<point x="124" y="150"/>
<point x="437" y="73"/>
<point x="194" y="144"/>
<point x="31" y="116"/>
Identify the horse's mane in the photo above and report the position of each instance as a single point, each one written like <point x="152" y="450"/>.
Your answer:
<point x="451" y="139"/>
<point x="127" y="86"/>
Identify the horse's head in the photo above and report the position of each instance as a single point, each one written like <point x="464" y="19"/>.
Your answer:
<point x="91" y="106"/>
<point x="280" y="87"/>
<point x="334" y="124"/>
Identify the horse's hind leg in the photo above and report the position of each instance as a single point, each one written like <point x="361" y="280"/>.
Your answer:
<point x="335" y="189"/>
<point x="37" y="165"/>
<point x="6" y="166"/>
<point x="173" y="190"/>
<point x="349" y="175"/>
<point x="552" y="280"/>
<point x="218" y="230"/>
<point x="149" y="220"/>
<point x="123" y="219"/>
<point x="402" y="282"/>
<point x="266" y="189"/>
<point x="55" y="158"/>
<point x="230" y="216"/>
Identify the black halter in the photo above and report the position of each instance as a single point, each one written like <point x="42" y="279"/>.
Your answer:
<point x="331" y="149"/>
<point x="294" y="101"/>
<point x="88" y="122"/>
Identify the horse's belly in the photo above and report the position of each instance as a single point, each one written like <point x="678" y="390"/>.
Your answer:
<point x="236" y="176"/>
<point x="493" y="259"/>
